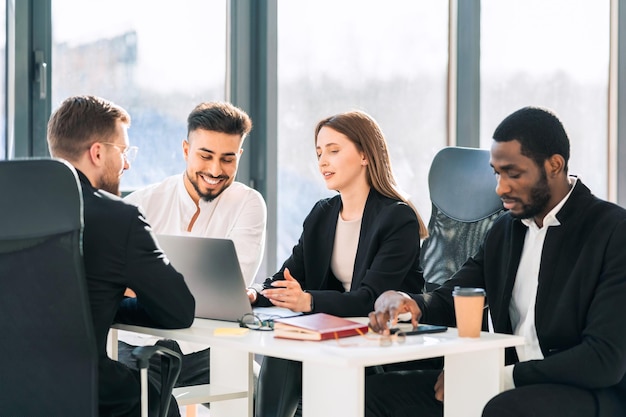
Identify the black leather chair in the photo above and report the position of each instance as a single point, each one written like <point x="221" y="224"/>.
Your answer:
<point x="464" y="207"/>
<point x="48" y="356"/>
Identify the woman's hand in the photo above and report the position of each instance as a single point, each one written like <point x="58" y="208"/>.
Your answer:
<point x="288" y="293"/>
<point x="252" y="295"/>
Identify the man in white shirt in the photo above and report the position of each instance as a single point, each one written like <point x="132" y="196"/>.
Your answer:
<point x="554" y="271"/>
<point x="206" y="201"/>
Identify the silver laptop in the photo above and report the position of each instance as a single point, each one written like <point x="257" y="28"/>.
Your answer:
<point x="212" y="273"/>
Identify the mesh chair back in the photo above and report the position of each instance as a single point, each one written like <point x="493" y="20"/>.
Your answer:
<point x="464" y="207"/>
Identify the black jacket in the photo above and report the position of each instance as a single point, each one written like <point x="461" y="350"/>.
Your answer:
<point x="581" y="297"/>
<point x="387" y="256"/>
<point x="120" y="251"/>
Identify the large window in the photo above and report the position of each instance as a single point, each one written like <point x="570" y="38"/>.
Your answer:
<point x="159" y="59"/>
<point x="553" y="54"/>
<point x="156" y="59"/>
<point x="387" y="59"/>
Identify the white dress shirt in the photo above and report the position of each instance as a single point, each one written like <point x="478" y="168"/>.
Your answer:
<point x="239" y="213"/>
<point x="522" y="308"/>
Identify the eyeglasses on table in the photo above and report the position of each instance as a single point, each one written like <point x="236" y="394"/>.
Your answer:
<point x="254" y="322"/>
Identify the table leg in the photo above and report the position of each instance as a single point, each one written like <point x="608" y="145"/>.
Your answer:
<point x="112" y="344"/>
<point x="332" y="391"/>
<point x="471" y="379"/>
<point x="233" y="369"/>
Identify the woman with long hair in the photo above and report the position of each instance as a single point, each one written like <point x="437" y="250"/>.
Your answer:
<point x="353" y="247"/>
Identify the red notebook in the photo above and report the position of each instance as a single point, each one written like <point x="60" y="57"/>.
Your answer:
<point x="317" y="326"/>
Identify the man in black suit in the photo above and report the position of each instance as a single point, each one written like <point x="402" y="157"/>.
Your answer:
<point x="119" y="248"/>
<point x="555" y="272"/>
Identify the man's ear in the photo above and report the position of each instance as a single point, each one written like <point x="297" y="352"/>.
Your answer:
<point x="185" y="149"/>
<point x="555" y="165"/>
<point x="96" y="154"/>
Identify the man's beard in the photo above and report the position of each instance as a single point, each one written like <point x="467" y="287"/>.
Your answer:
<point x="110" y="181"/>
<point x="540" y="195"/>
<point x="207" y="196"/>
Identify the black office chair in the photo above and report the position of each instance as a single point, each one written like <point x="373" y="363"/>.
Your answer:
<point x="48" y="356"/>
<point x="464" y="207"/>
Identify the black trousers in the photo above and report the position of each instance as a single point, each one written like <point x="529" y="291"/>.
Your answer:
<point x="543" y="400"/>
<point x="411" y="393"/>
<point x="279" y="389"/>
<point x="402" y="394"/>
<point x="124" y="398"/>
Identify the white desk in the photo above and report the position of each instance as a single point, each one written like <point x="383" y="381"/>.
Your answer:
<point x="334" y="377"/>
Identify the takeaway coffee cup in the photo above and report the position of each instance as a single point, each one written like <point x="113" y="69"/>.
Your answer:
<point x="468" y="307"/>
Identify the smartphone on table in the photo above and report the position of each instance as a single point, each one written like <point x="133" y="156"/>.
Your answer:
<point x="421" y="329"/>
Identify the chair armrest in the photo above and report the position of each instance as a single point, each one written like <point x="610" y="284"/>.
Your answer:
<point x="170" y="370"/>
<point x="144" y="353"/>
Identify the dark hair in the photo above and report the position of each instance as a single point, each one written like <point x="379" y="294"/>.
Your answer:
<point x="79" y="122"/>
<point x="540" y="133"/>
<point x="219" y="117"/>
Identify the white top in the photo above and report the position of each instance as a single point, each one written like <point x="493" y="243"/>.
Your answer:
<point x="344" y="250"/>
<point x="522" y="307"/>
<point x="239" y="213"/>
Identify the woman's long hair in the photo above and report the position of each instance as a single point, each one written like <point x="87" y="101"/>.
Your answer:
<point x="364" y="132"/>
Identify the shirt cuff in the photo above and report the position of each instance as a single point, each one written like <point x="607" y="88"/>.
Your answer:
<point x="256" y="293"/>
<point x="257" y="287"/>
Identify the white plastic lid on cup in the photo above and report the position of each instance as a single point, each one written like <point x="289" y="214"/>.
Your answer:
<point x="468" y="292"/>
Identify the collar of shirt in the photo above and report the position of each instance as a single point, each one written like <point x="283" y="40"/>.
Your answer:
<point x="550" y="219"/>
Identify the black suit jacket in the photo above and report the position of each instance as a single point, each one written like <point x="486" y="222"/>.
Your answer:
<point x="581" y="297"/>
<point x="387" y="256"/>
<point x="120" y="251"/>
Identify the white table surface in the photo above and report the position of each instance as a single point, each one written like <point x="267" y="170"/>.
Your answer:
<point x="333" y="374"/>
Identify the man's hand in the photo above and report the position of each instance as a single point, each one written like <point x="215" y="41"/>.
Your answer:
<point x="439" y="387"/>
<point x="387" y="308"/>
<point x="288" y="293"/>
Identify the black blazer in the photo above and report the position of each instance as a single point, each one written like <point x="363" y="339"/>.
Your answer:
<point x="120" y="251"/>
<point x="387" y="256"/>
<point x="581" y="297"/>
